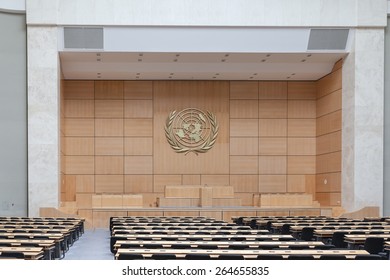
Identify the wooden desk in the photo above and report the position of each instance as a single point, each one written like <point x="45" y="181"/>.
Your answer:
<point x="205" y="237"/>
<point x="354" y="240"/>
<point x="220" y="244"/>
<point x="328" y="233"/>
<point x="48" y="245"/>
<point x="30" y="253"/>
<point x="248" y="254"/>
<point x="191" y="232"/>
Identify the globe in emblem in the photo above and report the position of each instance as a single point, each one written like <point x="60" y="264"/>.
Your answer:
<point x="191" y="130"/>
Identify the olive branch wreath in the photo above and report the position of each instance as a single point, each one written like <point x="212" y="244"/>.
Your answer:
<point x="179" y="148"/>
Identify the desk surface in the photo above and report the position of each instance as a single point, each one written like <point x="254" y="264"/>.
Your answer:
<point x="33" y="253"/>
<point x="206" y="236"/>
<point x="248" y="254"/>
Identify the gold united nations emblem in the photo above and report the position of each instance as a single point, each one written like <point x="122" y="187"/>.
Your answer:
<point x="191" y="130"/>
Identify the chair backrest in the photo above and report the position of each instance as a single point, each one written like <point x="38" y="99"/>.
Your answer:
<point x="197" y="256"/>
<point x="285" y="229"/>
<point x="332" y="257"/>
<point x="163" y="256"/>
<point x="338" y="239"/>
<point x="301" y="257"/>
<point x="231" y="257"/>
<point x="368" y="257"/>
<point x="11" y="255"/>
<point x="307" y="233"/>
<point x="374" y="245"/>
<point x="269" y="257"/>
<point x="125" y="256"/>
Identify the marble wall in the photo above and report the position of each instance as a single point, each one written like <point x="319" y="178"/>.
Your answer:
<point x="362" y="144"/>
<point x="43" y="118"/>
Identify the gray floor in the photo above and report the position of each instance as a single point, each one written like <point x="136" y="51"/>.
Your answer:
<point x="94" y="244"/>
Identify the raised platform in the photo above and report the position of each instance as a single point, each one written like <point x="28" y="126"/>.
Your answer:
<point x="99" y="217"/>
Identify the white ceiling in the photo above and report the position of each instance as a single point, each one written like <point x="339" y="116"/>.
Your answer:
<point x="196" y="66"/>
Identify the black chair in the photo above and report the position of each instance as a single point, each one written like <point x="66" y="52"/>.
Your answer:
<point x="192" y="256"/>
<point x="152" y="246"/>
<point x="5" y="244"/>
<point x="299" y="247"/>
<point x="269" y="257"/>
<point x="163" y="257"/>
<point x="11" y="255"/>
<point x="301" y="257"/>
<point x="125" y="256"/>
<point x="338" y="239"/>
<point x="253" y="224"/>
<point x="181" y="246"/>
<point x="238" y="247"/>
<point x="285" y="229"/>
<point x="368" y="257"/>
<point x="374" y="245"/>
<point x="324" y="247"/>
<point x="231" y="257"/>
<point x="332" y="257"/>
<point x="207" y="247"/>
<point x="307" y="234"/>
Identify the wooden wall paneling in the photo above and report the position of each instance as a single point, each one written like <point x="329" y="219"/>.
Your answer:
<point x="133" y="213"/>
<point x="109" y="127"/>
<point x="87" y="215"/>
<point x="244" y="146"/>
<point x="302" y="146"/>
<point x="272" y="165"/>
<point x="183" y="191"/>
<point x="109" y="184"/>
<point x="272" y="183"/>
<point x="132" y="200"/>
<point x="84" y="200"/>
<point x="138" y="165"/>
<point x="244" y="109"/>
<point x="109" y="146"/>
<point x="70" y="188"/>
<point x="329" y="103"/>
<point x="338" y="65"/>
<point x="328" y="163"/>
<point x="329" y="199"/>
<point x="301" y="128"/>
<point x="305" y="212"/>
<point x="244" y="90"/>
<point x="310" y="182"/>
<point x="244" y="127"/>
<point x="301" y="164"/>
<point x="96" y="201"/>
<point x="223" y="191"/>
<point x="78" y="89"/>
<point x="108" y="89"/>
<point x="212" y="214"/>
<point x="245" y="183"/>
<point x="150" y="199"/>
<point x="273" y="127"/>
<point x="79" y="108"/>
<point x="329" y="83"/>
<point x="79" y="127"/>
<point x="109" y="109"/>
<point x="160" y="181"/>
<point x="81" y="165"/>
<point x="222" y="180"/>
<point x="272" y="109"/>
<point x="138" y="183"/>
<point x="138" y="89"/>
<point x="244" y="165"/>
<point x="206" y="197"/>
<point x="206" y="96"/>
<point x="272" y="146"/>
<point x="302" y="109"/>
<point x="329" y="123"/>
<point x="109" y="165"/>
<point x="138" y="127"/>
<point x="272" y="90"/>
<point x="241" y="199"/>
<point x="112" y="200"/>
<point x="138" y="146"/>
<point x="296" y="183"/>
<point x="227" y="215"/>
<point x="191" y="179"/>
<point x="328" y="143"/>
<point x="85" y="183"/>
<point x="138" y="109"/>
<point x="328" y="182"/>
<point x="302" y="90"/>
<point x="81" y="146"/>
<point x="273" y="213"/>
<point x="101" y="219"/>
<point x="182" y="213"/>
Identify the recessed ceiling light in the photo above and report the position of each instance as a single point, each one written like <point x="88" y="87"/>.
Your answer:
<point x="268" y="55"/>
<point x="226" y="55"/>
<point x="303" y="60"/>
<point x="309" y="55"/>
<point x="214" y="77"/>
<point x="223" y="60"/>
<point x="263" y="60"/>
<point x="254" y="74"/>
<point x="177" y="55"/>
<point x="293" y="74"/>
<point x="216" y="74"/>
